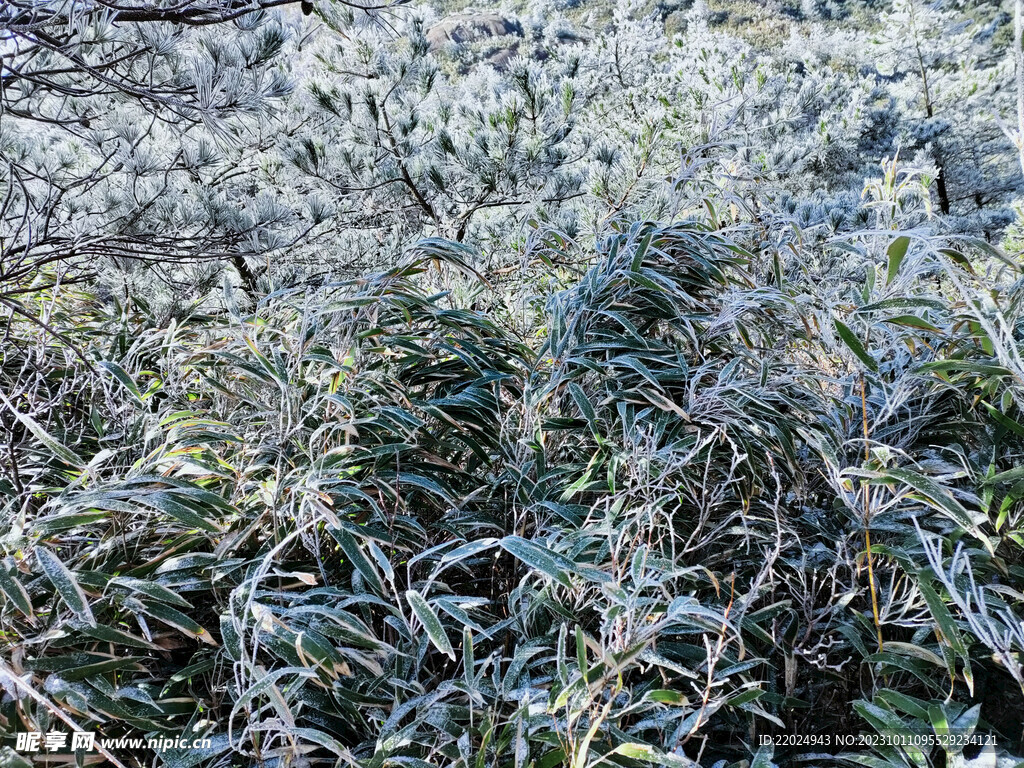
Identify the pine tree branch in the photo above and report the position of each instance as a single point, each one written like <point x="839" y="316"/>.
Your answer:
<point x="27" y="19"/>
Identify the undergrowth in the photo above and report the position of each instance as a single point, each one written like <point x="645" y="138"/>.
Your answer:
<point x="716" y="497"/>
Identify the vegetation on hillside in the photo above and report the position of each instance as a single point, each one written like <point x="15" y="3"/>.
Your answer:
<point x="613" y="386"/>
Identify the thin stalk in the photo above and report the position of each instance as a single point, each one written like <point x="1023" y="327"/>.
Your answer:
<point x="867" y="515"/>
<point x="1018" y="70"/>
<point x="713" y="658"/>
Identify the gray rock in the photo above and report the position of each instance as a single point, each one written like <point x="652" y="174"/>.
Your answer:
<point x="470" y="28"/>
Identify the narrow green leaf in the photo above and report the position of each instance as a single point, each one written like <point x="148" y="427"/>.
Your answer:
<point x="355" y="555"/>
<point x="943" y="618"/>
<point x="851" y="340"/>
<point x="230" y="637"/>
<point x="58" y="448"/>
<point x="175" y="618"/>
<point x="150" y="589"/>
<point x="939" y="499"/>
<point x="908" y="704"/>
<point x="1003" y="419"/>
<point x="323" y="739"/>
<point x="65" y="584"/>
<point x="431" y="624"/>
<point x="583" y="403"/>
<point x="937" y="718"/>
<point x="181" y="508"/>
<point x="468" y="662"/>
<point x="650" y="755"/>
<point x="1009" y="476"/>
<point x="641" y="252"/>
<point x="581" y="651"/>
<point x="118" y="637"/>
<point x="14" y="591"/>
<point x="912" y="321"/>
<point x="81" y="672"/>
<point x="122" y="376"/>
<point x="897" y="252"/>
<point x="991" y="250"/>
<point x="903" y="303"/>
<point x="468" y="549"/>
<point x="536" y="557"/>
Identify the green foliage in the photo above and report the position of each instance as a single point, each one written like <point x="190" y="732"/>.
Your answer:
<point x="570" y="411"/>
<point x="361" y="523"/>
